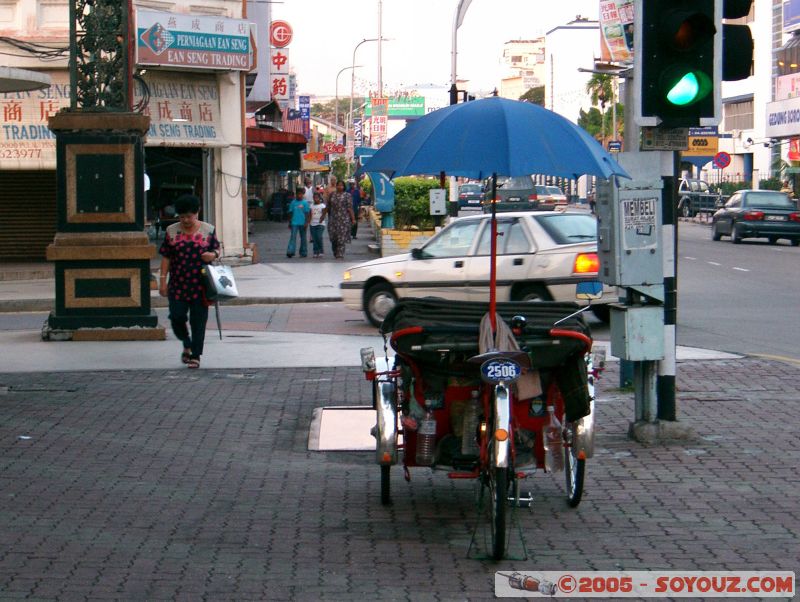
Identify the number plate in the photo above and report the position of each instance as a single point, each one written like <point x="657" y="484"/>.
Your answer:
<point x="514" y="199"/>
<point x="776" y="218"/>
<point x="500" y="370"/>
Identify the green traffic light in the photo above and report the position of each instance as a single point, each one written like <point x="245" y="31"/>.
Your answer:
<point x="689" y="89"/>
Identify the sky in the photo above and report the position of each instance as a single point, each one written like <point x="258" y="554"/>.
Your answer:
<point x="420" y="31"/>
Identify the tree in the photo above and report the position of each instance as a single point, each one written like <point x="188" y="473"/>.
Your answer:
<point x="534" y="95"/>
<point x="601" y="89"/>
<point x="339" y="168"/>
<point x="591" y="121"/>
<point x="327" y="110"/>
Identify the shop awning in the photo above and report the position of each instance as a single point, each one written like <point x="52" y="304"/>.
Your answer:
<point x="276" y="150"/>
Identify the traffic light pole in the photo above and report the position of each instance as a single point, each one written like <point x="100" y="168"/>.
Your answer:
<point x="665" y="381"/>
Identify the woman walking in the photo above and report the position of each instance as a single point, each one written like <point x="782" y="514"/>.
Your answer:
<point x="339" y="211"/>
<point x="188" y="246"/>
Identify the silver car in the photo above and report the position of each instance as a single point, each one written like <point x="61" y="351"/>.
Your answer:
<point x="541" y="255"/>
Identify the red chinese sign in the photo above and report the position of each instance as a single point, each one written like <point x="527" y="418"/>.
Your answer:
<point x="280" y="34"/>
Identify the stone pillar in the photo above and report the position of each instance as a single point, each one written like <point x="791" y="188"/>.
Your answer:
<point x="101" y="252"/>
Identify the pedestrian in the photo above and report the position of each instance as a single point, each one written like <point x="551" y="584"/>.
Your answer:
<point x="339" y="211"/>
<point x="188" y="245"/>
<point x="592" y="201"/>
<point x="355" y="194"/>
<point x="331" y="189"/>
<point x="299" y="217"/>
<point x="787" y="188"/>
<point x="317" y="224"/>
<point x="309" y="191"/>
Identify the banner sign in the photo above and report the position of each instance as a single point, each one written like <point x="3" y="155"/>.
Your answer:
<point x="199" y="42"/>
<point x="358" y="131"/>
<point x="616" y="29"/>
<point x="380" y="109"/>
<point x="26" y="141"/>
<point x="183" y="109"/>
<point x="410" y="107"/>
<point x="305" y="115"/>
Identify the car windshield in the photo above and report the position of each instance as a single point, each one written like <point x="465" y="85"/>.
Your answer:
<point x="566" y="228"/>
<point x="523" y="183"/>
<point x="554" y="190"/>
<point x="765" y="198"/>
<point x="453" y="241"/>
<point x="470" y="188"/>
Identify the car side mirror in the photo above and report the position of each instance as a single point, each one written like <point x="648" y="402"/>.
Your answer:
<point x="416" y="253"/>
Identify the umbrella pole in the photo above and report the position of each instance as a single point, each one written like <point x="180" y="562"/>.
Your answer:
<point x="493" y="262"/>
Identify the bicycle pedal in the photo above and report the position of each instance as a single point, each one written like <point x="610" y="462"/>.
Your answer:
<point x="525" y="500"/>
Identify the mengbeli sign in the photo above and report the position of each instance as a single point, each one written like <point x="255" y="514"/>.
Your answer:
<point x="199" y="42"/>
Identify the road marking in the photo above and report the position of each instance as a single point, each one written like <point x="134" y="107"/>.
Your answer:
<point x="781" y="358"/>
<point x="740" y="269"/>
<point x="691" y="258"/>
<point x="713" y="263"/>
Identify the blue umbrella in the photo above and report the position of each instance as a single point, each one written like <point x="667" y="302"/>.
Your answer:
<point x="494" y="136"/>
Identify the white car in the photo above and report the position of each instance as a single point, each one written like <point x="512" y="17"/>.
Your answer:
<point x="541" y="255"/>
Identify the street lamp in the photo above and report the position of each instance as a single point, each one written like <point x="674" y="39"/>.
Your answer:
<point x="336" y="108"/>
<point x="353" y="73"/>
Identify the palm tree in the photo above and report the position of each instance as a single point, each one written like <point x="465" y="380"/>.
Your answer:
<point x="601" y="89"/>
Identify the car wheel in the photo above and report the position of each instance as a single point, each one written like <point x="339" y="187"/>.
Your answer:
<point x="773" y="240"/>
<point x="736" y="236"/>
<point x="686" y="209"/>
<point x="532" y="293"/>
<point x="378" y="301"/>
<point x="795" y="242"/>
<point x="602" y="313"/>
<point x="715" y="235"/>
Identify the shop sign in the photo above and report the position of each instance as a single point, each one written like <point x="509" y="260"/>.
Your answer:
<point x="783" y="118"/>
<point x="198" y="42"/>
<point x="26" y="141"/>
<point x="183" y="109"/>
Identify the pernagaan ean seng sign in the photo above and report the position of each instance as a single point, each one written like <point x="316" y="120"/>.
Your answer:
<point x="199" y="42"/>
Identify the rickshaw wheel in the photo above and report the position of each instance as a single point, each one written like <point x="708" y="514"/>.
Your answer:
<point x="574" y="469"/>
<point x="385" y="485"/>
<point x="498" y="498"/>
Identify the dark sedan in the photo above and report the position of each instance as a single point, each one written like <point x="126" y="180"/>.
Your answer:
<point x="470" y="195"/>
<point x="757" y="214"/>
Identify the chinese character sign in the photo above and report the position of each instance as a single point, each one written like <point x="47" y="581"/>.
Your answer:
<point x="305" y="115"/>
<point x="26" y="141"/>
<point x="199" y="42"/>
<point x="380" y="111"/>
<point x="616" y="26"/>
<point x="183" y="109"/>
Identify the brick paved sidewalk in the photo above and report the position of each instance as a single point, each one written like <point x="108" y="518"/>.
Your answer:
<point x="160" y="485"/>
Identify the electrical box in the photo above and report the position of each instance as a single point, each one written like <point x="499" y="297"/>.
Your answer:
<point x="629" y="241"/>
<point x="438" y="199"/>
<point x="637" y="332"/>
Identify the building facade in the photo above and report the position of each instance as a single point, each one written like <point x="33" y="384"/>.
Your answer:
<point x="196" y="138"/>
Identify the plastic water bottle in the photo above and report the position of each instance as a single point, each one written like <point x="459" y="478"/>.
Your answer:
<point x="426" y="440"/>
<point x="469" y="433"/>
<point x="553" y="442"/>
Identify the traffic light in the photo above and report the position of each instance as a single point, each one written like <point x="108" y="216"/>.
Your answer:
<point x="675" y="47"/>
<point x="737" y="41"/>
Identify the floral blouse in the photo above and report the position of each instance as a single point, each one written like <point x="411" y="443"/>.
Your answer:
<point x="183" y="252"/>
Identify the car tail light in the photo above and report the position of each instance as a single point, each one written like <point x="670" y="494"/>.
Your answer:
<point x="794" y="217"/>
<point x="533" y="197"/>
<point x="586" y="263"/>
<point x="753" y="216"/>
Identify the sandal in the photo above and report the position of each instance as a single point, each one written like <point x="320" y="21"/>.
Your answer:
<point x="186" y="355"/>
<point x="193" y="363"/>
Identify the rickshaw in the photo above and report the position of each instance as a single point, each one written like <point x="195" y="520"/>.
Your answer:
<point x="522" y="370"/>
<point x="496" y="416"/>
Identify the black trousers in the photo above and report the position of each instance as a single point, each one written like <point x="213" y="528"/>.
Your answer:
<point x="196" y="314"/>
